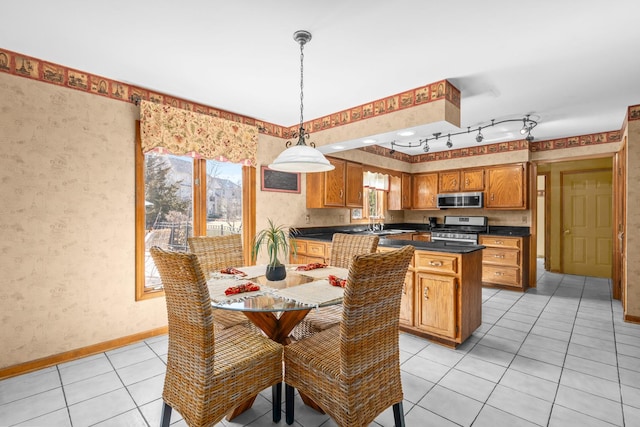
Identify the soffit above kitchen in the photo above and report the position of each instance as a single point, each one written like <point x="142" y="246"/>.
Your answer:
<point x="571" y="66"/>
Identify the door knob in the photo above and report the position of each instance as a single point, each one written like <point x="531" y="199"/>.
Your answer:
<point x="567" y="231"/>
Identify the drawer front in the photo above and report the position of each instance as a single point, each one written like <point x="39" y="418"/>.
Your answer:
<point x="423" y="237"/>
<point x="301" y="247"/>
<point x="501" y="275"/>
<point x="428" y="261"/>
<point x="501" y="256"/>
<point x="315" y="249"/>
<point x="499" y="241"/>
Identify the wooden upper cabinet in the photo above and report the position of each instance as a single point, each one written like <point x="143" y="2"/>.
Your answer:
<point x="334" y="184"/>
<point x="449" y="181"/>
<point x="425" y="191"/>
<point x="507" y="187"/>
<point x="353" y="186"/>
<point x="472" y="180"/>
<point x="406" y="191"/>
<point x="394" y="197"/>
<point x="399" y="196"/>
<point x="338" y="188"/>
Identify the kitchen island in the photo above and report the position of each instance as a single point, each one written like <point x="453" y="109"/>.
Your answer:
<point x="442" y="293"/>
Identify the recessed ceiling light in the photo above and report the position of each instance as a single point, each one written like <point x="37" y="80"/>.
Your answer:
<point x="369" y="141"/>
<point x="406" y="133"/>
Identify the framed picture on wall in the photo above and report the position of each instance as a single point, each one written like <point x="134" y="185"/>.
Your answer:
<point x="284" y="182"/>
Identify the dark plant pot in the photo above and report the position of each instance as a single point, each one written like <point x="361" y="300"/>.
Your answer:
<point x="278" y="272"/>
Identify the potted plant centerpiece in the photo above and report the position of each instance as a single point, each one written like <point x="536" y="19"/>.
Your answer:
<point x="277" y="241"/>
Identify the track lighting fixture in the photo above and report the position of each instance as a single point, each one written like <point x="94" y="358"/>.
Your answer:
<point x="527" y="126"/>
<point x="479" y="136"/>
<point x="449" y="143"/>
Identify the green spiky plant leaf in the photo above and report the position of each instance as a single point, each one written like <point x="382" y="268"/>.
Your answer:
<point x="276" y="240"/>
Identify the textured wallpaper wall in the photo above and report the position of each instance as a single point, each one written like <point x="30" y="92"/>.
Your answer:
<point x="67" y="208"/>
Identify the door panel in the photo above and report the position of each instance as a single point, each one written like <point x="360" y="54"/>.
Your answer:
<point x="587" y="223"/>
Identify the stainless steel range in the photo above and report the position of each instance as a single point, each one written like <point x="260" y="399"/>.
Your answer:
<point x="460" y="229"/>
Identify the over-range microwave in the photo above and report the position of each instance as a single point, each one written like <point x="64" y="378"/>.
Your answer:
<point x="461" y="200"/>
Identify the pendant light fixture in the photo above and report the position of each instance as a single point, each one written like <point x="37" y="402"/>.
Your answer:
<point x="301" y="157"/>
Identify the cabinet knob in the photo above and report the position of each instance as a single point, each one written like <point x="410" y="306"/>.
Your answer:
<point x="498" y="242"/>
<point x="498" y="273"/>
<point x="426" y="292"/>
<point x="435" y="263"/>
<point x="567" y="231"/>
<point x="466" y="181"/>
<point x="341" y="193"/>
<point x="498" y="256"/>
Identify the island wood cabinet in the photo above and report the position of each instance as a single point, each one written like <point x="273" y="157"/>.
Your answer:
<point x="506" y="186"/>
<point x="338" y="188"/>
<point x="425" y="191"/>
<point x="442" y="296"/>
<point x="308" y="251"/>
<point x="406" y="301"/>
<point x="505" y="261"/>
<point x="447" y="295"/>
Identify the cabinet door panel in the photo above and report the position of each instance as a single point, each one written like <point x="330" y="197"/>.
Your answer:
<point x="425" y="190"/>
<point x="472" y="180"/>
<point x="334" y="182"/>
<point x="436" y="304"/>
<point x="406" y="191"/>
<point x="506" y="187"/>
<point x="449" y="181"/>
<point x="353" y="185"/>
<point x="406" y="302"/>
<point x="394" y="198"/>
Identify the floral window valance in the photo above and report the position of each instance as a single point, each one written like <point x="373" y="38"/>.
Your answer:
<point x="186" y="132"/>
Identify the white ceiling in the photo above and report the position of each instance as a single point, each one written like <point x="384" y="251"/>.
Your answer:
<point x="574" y="66"/>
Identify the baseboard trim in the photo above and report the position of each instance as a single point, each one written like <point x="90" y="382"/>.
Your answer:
<point x="631" y="319"/>
<point x="78" y="353"/>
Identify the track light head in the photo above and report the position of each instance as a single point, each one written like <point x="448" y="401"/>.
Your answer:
<point x="426" y="146"/>
<point x="529" y="137"/>
<point x="449" y="143"/>
<point x="479" y="136"/>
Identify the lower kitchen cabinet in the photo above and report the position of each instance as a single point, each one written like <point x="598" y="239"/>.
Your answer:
<point x="310" y="251"/>
<point x="442" y="296"/>
<point x="505" y="261"/>
<point x="436" y="304"/>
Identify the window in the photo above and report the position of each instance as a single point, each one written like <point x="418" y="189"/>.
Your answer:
<point x="172" y="206"/>
<point x="375" y="187"/>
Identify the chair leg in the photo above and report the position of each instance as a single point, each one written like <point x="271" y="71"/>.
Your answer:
<point x="166" y="415"/>
<point x="276" y="398"/>
<point x="398" y="414"/>
<point x="288" y="403"/>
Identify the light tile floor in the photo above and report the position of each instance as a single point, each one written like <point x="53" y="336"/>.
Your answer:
<point x="557" y="355"/>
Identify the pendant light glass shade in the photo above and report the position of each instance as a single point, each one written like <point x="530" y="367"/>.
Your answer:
<point x="301" y="158"/>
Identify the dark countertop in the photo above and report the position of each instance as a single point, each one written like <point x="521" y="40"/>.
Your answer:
<point x="439" y="246"/>
<point x="325" y="233"/>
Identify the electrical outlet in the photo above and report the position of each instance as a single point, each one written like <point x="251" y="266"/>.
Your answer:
<point x="307" y="218"/>
<point x="391" y="218"/>
<point x="524" y="219"/>
<point x="341" y="218"/>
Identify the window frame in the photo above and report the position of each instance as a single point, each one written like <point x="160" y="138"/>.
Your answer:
<point x="199" y="213"/>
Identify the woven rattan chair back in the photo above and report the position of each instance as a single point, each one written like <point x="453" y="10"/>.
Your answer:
<point x="218" y="252"/>
<point x="345" y="246"/>
<point x="199" y="383"/>
<point x="371" y="309"/>
<point x="353" y="371"/>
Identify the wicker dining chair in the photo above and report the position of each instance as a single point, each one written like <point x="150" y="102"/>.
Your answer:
<point x="209" y="373"/>
<point x="352" y="371"/>
<point x="215" y="253"/>
<point x="343" y="248"/>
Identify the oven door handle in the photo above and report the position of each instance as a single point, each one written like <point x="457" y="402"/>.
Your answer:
<point x="446" y="239"/>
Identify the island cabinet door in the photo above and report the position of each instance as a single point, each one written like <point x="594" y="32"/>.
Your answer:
<point x="406" y="303"/>
<point x="436" y="304"/>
